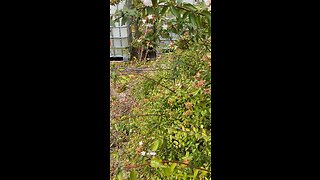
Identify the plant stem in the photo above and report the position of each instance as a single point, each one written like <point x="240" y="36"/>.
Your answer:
<point x="164" y="161"/>
<point x="157" y="83"/>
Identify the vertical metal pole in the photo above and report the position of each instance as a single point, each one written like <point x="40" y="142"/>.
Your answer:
<point x="121" y="44"/>
<point x="112" y="43"/>
<point x="129" y="30"/>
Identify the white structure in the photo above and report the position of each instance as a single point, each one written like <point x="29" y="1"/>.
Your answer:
<point x="119" y="35"/>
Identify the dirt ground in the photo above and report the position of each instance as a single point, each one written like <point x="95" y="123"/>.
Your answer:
<point x="121" y="104"/>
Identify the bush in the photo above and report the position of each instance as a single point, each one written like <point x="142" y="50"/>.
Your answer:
<point x="167" y="135"/>
<point x="155" y="19"/>
<point x="172" y="120"/>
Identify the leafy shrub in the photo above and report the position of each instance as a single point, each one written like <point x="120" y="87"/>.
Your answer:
<point x="168" y="133"/>
<point x="152" y="19"/>
<point x="172" y="120"/>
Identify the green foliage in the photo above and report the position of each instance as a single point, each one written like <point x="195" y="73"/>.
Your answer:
<point x="164" y="17"/>
<point x="168" y="132"/>
<point x="178" y="99"/>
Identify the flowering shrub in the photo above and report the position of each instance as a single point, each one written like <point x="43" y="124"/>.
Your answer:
<point x="167" y="135"/>
<point x="154" y="19"/>
<point x="170" y="129"/>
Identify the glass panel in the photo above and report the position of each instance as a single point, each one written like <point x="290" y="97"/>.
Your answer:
<point x="124" y="32"/>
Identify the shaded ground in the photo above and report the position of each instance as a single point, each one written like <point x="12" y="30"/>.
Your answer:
<point x="121" y="104"/>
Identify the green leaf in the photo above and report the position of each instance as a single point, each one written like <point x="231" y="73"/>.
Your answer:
<point x="198" y="20"/>
<point x="113" y="75"/>
<point x="124" y="20"/>
<point x="164" y="10"/>
<point x="111" y="22"/>
<point x="185" y="15"/>
<point x="144" y="11"/>
<point x="204" y="172"/>
<point x="173" y="165"/>
<point x="133" y="175"/>
<point x="156" y="163"/>
<point x="189" y="6"/>
<point x="119" y="176"/>
<point x="150" y="10"/>
<point x="207" y="14"/>
<point x="155" y="145"/>
<point x="175" y="12"/>
<point x="185" y="176"/>
<point x="167" y="171"/>
<point x="195" y="173"/>
<point x="193" y="19"/>
<point x="132" y="12"/>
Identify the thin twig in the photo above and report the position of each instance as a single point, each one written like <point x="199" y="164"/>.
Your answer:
<point x="180" y="7"/>
<point x="138" y="115"/>
<point x="139" y="69"/>
<point x="157" y="83"/>
<point x="167" y="161"/>
<point x="164" y="161"/>
<point x="142" y="49"/>
<point x="135" y="166"/>
<point x="145" y="57"/>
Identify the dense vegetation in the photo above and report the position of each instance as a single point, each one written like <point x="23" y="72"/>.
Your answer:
<point x="165" y="130"/>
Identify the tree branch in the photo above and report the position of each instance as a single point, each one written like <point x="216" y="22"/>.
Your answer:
<point x="164" y="161"/>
